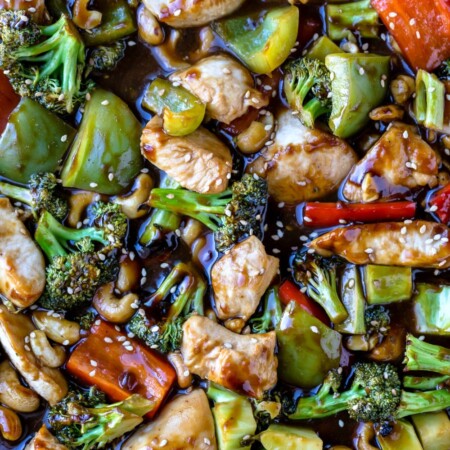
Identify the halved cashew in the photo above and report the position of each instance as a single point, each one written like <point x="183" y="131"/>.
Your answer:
<point x="365" y="434"/>
<point x="256" y="135"/>
<point x="129" y="275"/>
<point x="184" y="377"/>
<point x="113" y="309"/>
<point x="10" y="425"/>
<point x="85" y="18"/>
<point x="78" y="202"/>
<point x="387" y="113"/>
<point x="191" y="231"/>
<point x="49" y="356"/>
<point x="13" y="394"/>
<point x="206" y="41"/>
<point x="402" y="88"/>
<point x="139" y="195"/>
<point x="59" y="330"/>
<point x="149" y="29"/>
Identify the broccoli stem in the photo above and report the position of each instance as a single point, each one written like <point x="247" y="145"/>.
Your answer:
<point x="425" y="383"/>
<point x="272" y="312"/>
<point x="421" y="355"/>
<point x="17" y="193"/>
<point x="421" y="402"/>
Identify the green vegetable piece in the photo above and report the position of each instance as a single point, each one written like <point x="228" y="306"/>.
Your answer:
<point x="34" y="141"/>
<point x="429" y="104"/>
<point x="344" y="18"/>
<point x="433" y="430"/>
<point x="431" y="309"/>
<point x="286" y="437"/>
<point x="359" y="84"/>
<point x="105" y="155"/>
<point x="262" y="41"/>
<point x="182" y="112"/>
<point x="402" y="437"/>
<point x="323" y="47"/>
<point x="308" y="349"/>
<point x="387" y="284"/>
<point x="425" y="383"/>
<point x="117" y="22"/>
<point x="352" y="297"/>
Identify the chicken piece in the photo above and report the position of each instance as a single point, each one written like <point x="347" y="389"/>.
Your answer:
<point x="417" y="244"/>
<point x="398" y="162"/>
<point x="304" y="164"/>
<point x="245" y="363"/>
<point x="200" y="162"/>
<point x="224" y="85"/>
<point x="191" y="13"/>
<point x="22" y="266"/>
<point x="48" y="383"/>
<point x="44" y="440"/>
<point x="185" y="423"/>
<point x="241" y="277"/>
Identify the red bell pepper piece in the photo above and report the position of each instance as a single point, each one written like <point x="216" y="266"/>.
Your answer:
<point x="441" y="201"/>
<point x="102" y="360"/>
<point x="331" y="214"/>
<point x="420" y="27"/>
<point x="8" y="100"/>
<point x="288" y="291"/>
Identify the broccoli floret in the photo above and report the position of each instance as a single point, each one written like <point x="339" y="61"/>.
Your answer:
<point x="45" y="63"/>
<point x="307" y="87"/>
<point x="319" y="276"/>
<point x="271" y="314"/>
<point x="105" y="58"/>
<point x="43" y="194"/>
<point x="443" y="70"/>
<point x="189" y="289"/>
<point x="76" y="267"/>
<point x="377" y="320"/>
<point x="83" y="420"/>
<point x="420" y="355"/>
<point x="85" y="319"/>
<point x="232" y="214"/>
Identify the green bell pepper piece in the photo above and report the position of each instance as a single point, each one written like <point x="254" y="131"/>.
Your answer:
<point x="431" y="309"/>
<point x="402" y="437"/>
<point x="181" y="111"/>
<point x="387" y="284"/>
<point x="105" y="155"/>
<point x="433" y="430"/>
<point x="117" y="22"/>
<point x="33" y="141"/>
<point x="307" y="349"/>
<point x="323" y="47"/>
<point x="287" y="437"/>
<point x="359" y="84"/>
<point x="263" y="41"/>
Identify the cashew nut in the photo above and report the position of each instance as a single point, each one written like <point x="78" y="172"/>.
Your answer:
<point x="57" y="329"/>
<point x="85" y="18"/>
<point x="256" y="135"/>
<point x="139" y="194"/>
<point x="206" y="39"/>
<point x="113" y="309"/>
<point x="49" y="356"/>
<point x="387" y="113"/>
<point x="10" y="425"/>
<point x="149" y="29"/>
<point x="235" y="325"/>
<point x="166" y="53"/>
<point x="184" y="377"/>
<point x="191" y="231"/>
<point x="78" y="202"/>
<point x="403" y="88"/>
<point x="364" y="435"/>
<point x="129" y="275"/>
<point x="13" y="394"/>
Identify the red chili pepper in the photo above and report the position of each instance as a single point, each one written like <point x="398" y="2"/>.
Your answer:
<point x="420" y="27"/>
<point x="330" y="214"/>
<point x="8" y="100"/>
<point x="289" y="291"/>
<point x="441" y="201"/>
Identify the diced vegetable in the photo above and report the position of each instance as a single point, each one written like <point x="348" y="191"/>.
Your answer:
<point x="8" y="100"/>
<point x="85" y="18"/>
<point x="323" y="47"/>
<point x="387" y="284"/>
<point x="429" y="103"/>
<point x="441" y="201"/>
<point x="36" y="8"/>
<point x="331" y="214"/>
<point x="307" y="350"/>
<point x="34" y="141"/>
<point x="121" y="370"/>
<point x="181" y="111"/>
<point x="352" y="297"/>
<point x="286" y="437"/>
<point x="431" y="309"/>
<point x="402" y="437"/>
<point x="421" y="29"/>
<point x="359" y="84"/>
<point x="105" y="155"/>
<point x="264" y="46"/>
<point x="344" y="18"/>
<point x="433" y="430"/>
<point x="425" y="383"/>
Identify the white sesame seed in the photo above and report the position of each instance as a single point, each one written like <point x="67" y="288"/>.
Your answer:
<point x="93" y="185"/>
<point x="403" y="230"/>
<point x="341" y="423"/>
<point x="351" y="283"/>
<point x="170" y="196"/>
<point x="164" y="265"/>
<point x="307" y="219"/>
<point x="177" y="12"/>
<point x="27" y="348"/>
<point x="361" y="71"/>
<point x="226" y="71"/>
<point x="314" y="329"/>
<point x="368" y="250"/>
<point x="108" y="340"/>
<point x="281" y="205"/>
<point x="92" y="373"/>
<point x="131" y="43"/>
<point x="105" y="102"/>
<point x="64" y="138"/>
<point x="391" y="25"/>
<point x="93" y="363"/>
<point x="129" y="348"/>
<point x="228" y="345"/>
<point x="418" y="34"/>
<point x="206" y="441"/>
<point x="412" y="22"/>
<point x="121" y="339"/>
<point x="405" y="134"/>
<point x="433" y="208"/>
<point x="110" y="176"/>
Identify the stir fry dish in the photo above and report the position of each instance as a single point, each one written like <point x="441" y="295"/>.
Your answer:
<point x="224" y="225"/>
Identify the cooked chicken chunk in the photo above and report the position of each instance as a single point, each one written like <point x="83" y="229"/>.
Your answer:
<point x="200" y="162"/>
<point x="44" y="440"/>
<point x="185" y="423"/>
<point x="304" y="164"/>
<point x="398" y="162"/>
<point x="224" y="85"/>
<point x="243" y="363"/>
<point x="418" y="244"/>
<point x="241" y="277"/>
<point x="22" y="266"/>
<point x="191" y="13"/>
<point x="48" y="383"/>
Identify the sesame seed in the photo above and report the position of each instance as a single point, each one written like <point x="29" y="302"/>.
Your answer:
<point x="433" y="208"/>
<point x="108" y="340"/>
<point x="403" y="230"/>
<point x="93" y="185"/>
<point x="437" y="237"/>
<point x="105" y="102"/>
<point x="429" y="241"/>
<point x="27" y="348"/>
<point x="226" y="71"/>
<point x="93" y="363"/>
<point x="391" y="25"/>
<point x="69" y="290"/>
<point x="368" y="250"/>
<point x="92" y="373"/>
<point x="341" y="423"/>
<point x="170" y="196"/>
<point x="442" y="263"/>
<point x="276" y="251"/>
<point x="418" y="34"/>
<point x="412" y="22"/>
<point x="361" y="71"/>
<point x="129" y="348"/>
<point x="64" y="138"/>
<point x="164" y="265"/>
<point x="405" y="134"/>
<point x="314" y="329"/>
<point x="110" y="176"/>
<point x="392" y="14"/>
<point x="66" y="342"/>
<point x="121" y="339"/>
<point x="351" y="283"/>
<point x="177" y="13"/>
<point x="307" y="219"/>
<point x="281" y="205"/>
<point x="228" y="345"/>
<point x="206" y="441"/>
